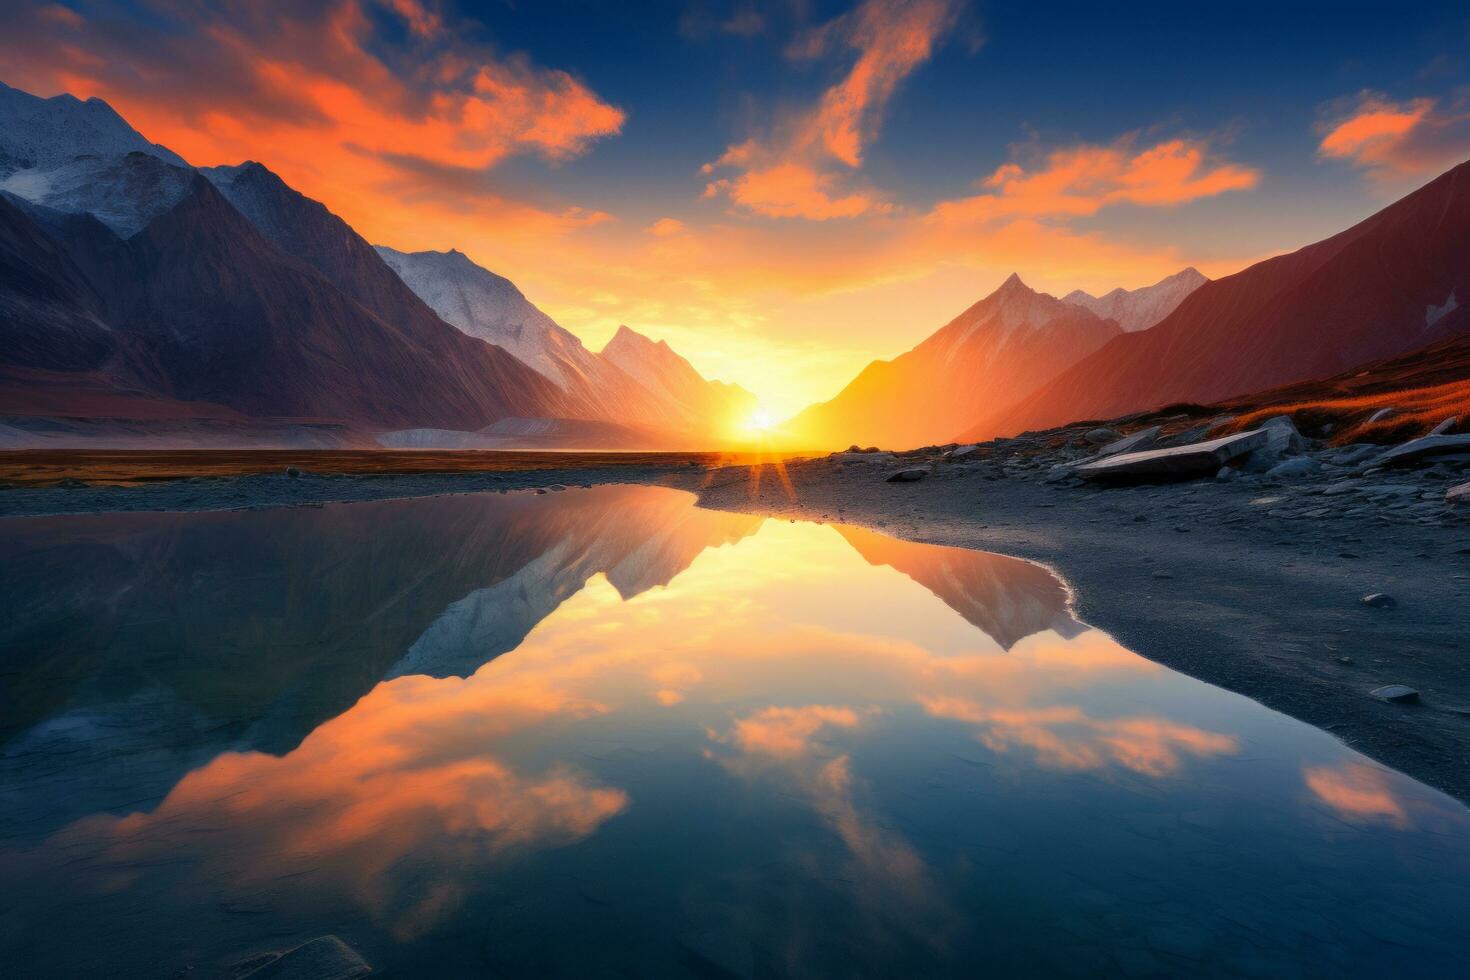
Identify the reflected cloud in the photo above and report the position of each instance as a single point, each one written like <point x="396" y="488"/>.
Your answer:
<point x="1066" y="737"/>
<point x="786" y="733"/>
<point x="787" y="745"/>
<point x="1357" y="792"/>
<point x="404" y="774"/>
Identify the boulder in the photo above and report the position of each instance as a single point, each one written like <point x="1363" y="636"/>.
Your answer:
<point x="911" y="475"/>
<point x="1458" y="495"/>
<point x="1423" y="448"/>
<point x="1396" y="693"/>
<point x="1133" y="442"/>
<point x="960" y="452"/>
<point x="323" y="958"/>
<point x="1101" y="435"/>
<point x="1196" y="459"/>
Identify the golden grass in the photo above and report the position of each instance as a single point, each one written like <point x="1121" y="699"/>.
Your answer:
<point x="1416" y="411"/>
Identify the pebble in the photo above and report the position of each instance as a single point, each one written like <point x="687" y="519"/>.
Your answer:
<point x="1379" y="600"/>
<point x="1396" y="694"/>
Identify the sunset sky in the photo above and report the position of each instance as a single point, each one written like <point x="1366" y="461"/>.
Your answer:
<point x="786" y="190"/>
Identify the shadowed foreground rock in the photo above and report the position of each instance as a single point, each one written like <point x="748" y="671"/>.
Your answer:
<point x="1416" y="449"/>
<point x="1195" y="459"/>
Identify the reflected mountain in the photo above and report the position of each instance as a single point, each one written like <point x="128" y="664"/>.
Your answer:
<point x="638" y="540"/>
<point x="299" y="612"/>
<point x="1009" y="599"/>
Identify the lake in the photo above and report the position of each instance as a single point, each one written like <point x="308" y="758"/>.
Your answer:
<point x="604" y="732"/>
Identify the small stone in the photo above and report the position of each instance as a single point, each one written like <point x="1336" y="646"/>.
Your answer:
<point x="323" y="958"/>
<point x="1345" y="660"/>
<point x="292" y="472"/>
<point x="1380" y="415"/>
<point x="1100" y="436"/>
<point x="1162" y="574"/>
<point x="1379" y="600"/>
<point x="1293" y="469"/>
<point x="1396" y="694"/>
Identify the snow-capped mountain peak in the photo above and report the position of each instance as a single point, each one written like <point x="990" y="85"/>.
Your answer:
<point x="41" y="134"/>
<point x="1139" y="309"/>
<point x="485" y="305"/>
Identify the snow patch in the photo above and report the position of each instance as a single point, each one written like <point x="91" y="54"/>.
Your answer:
<point x="1433" y="314"/>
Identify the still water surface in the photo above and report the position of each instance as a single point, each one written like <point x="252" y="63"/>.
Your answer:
<point x="606" y="733"/>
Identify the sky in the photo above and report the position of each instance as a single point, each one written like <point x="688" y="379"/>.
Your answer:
<point x="787" y="190"/>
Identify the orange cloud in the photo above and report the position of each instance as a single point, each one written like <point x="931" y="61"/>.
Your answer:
<point x="1080" y="181"/>
<point x="665" y="227"/>
<point x="789" y="174"/>
<point x="893" y="39"/>
<point x="319" y="94"/>
<point x="1358" y="792"/>
<point x="793" y="190"/>
<point x="1394" y="140"/>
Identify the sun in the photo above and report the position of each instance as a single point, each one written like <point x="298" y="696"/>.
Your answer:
<point x="760" y="420"/>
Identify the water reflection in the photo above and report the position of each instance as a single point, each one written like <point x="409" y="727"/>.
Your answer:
<point x="455" y="732"/>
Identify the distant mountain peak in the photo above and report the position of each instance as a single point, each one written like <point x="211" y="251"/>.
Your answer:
<point x="627" y="337"/>
<point x="1141" y="308"/>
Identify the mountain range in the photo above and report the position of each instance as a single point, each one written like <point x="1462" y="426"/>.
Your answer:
<point x="138" y="287"/>
<point x="633" y="380"/>
<point x="1000" y="349"/>
<point x="1388" y="285"/>
<point x="1020" y="360"/>
<point x="209" y="306"/>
